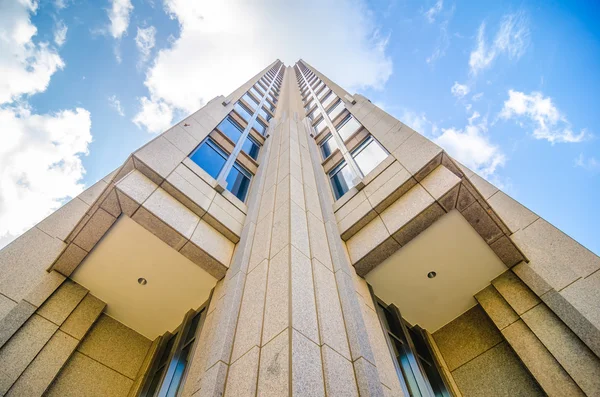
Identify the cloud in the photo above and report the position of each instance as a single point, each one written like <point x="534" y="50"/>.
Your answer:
<point x="26" y="65"/>
<point x="40" y="154"/>
<point x="431" y="13"/>
<point x="547" y="121"/>
<point x="511" y="39"/>
<point x="115" y="103"/>
<point x="155" y="115"/>
<point x="145" y="41"/>
<point x="459" y="90"/>
<point x="441" y="45"/>
<point x="588" y="164"/>
<point x="60" y="33"/>
<point x="418" y="122"/>
<point x="354" y="54"/>
<point x="118" y="14"/>
<point x="472" y="147"/>
<point x="477" y="97"/>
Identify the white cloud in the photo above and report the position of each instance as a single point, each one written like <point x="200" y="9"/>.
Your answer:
<point x="477" y="97"/>
<point x="40" y="155"/>
<point x="441" y="45"/>
<point x="459" y="90"/>
<point x="155" y="116"/>
<point x="472" y="147"/>
<point x="511" y="39"/>
<point x="60" y="33"/>
<point x="145" y="41"/>
<point x="115" y="103"/>
<point x="418" y="122"/>
<point x="220" y="39"/>
<point x="589" y="163"/>
<point x="25" y="66"/>
<point x="119" y="14"/>
<point x="432" y="13"/>
<point x="548" y="122"/>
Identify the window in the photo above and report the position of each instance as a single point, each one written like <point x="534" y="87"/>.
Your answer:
<point x="210" y="157"/>
<point x="341" y="179"/>
<point x="169" y="371"/>
<point x="320" y="126"/>
<point x="329" y="100"/>
<point x="255" y="92"/>
<point x="250" y="101"/>
<point x="323" y="95"/>
<point x="251" y="148"/>
<point x="347" y="127"/>
<point x="238" y="181"/>
<point x="266" y="115"/>
<point x="368" y="155"/>
<point x="259" y="127"/>
<point x="242" y="111"/>
<point x="314" y="114"/>
<point x="260" y="90"/>
<point x="336" y="110"/>
<point x="231" y="129"/>
<point x="328" y="146"/>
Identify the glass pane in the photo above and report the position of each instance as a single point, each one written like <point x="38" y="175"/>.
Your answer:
<point x="339" y="108"/>
<point x="238" y="182"/>
<point x="265" y="114"/>
<point x="328" y="146"/>
<point x="179" y="370"/>
<point x="348" y="127"/>
<point x="259" y="127"/>
<point x="329" y="100"/>
<point x="153" y="389"/>
<point x="251" y="148"/>
<point x="242" y="111"/>
<point x="255" y="92"/>
<point x="230" y="128"/>
<point x="209" y="157"/>
<point x="259" y="89"/>
<point x="193" y="327"/>
<point x="369" y="155"/>
<point x="250" y="101"/>
<point x="341" y="180"/>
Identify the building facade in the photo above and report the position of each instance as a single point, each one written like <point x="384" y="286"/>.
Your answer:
<point x="293" y="239"/>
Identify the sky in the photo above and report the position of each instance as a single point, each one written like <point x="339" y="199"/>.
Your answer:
<point x="509" y="88"/>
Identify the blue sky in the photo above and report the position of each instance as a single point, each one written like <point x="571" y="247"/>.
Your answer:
<point x="509" y="88"/>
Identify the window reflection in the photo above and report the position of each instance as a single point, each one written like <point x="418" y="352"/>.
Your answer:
<point x="369" y="155"/>
<point x="341" y="179"/>
<point x="231" y="129"/>
<point x="242" y="111"/>
<point x="251" y="148"/>
<point x="328" y="146"/>
<point x="347" y="127"/>
<point x="336" y="110"/>
<point x="238" y="181"/>
<point x="210" y="157"/>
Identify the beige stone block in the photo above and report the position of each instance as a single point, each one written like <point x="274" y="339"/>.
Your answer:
<point x="376" y="256"/>
<point x="93" y="231"/>
<point x="278" y="293"/>
<point x="299" y="229"/>
<point x="575" y="357"/>
<point x="466" y="337"/>
<point x="530" y="277"/>
<point x="62" y="302"/>
<point x="406" y="208"/>
<point x="418" y="224"/>
<point x="195" y="180"/>
<point x="273" y="378"/>
<point x="331" y="320"/>
<point x="496" y="307"/>
<point x="69" y="259"/>
<point x="557" y="258"/>
<point x="307" y="371"/>
<point x="14" y="319"/>
<point x="136" y="186"/>
<point x="213" y="242"/>
<point x="543" y="366"/>
<point x="6" y="305"/>
<point x="84" y="315"/>
<point x="160" y="155"/>
<point x="416" y="152"/>
<point x="116" y="346"/>
<point x="196" y="129"/>
<point x="43" y="369"/>
<point x="515" y="215"/>
<point x="515" y="292"/>
<point x="61" y="222"/>
<point x="249" y="324"/>
<point x="128" y="205"/>
<point x="319" y="244"/>
<point x="297" y="193"/>
<point x="439" y="182"/>
<point x="267" y="203"/>
<point x="111" y="203"/>
<point x="172" y="212"/>
<point x="160" y="229"/>
<point x="92" y="379"/>
<point x="584" y="296"/>
<point x="22" y="348"/>
<point x="497" y="372"/>
<point x="465" y="198"/>
<point x="262" y="241"/>
<point x="506" y="250"/>
<point x="243" y="375"/>
<point x="367" y="239"/>
<point x="312" y="203"/>
<point x="368" y="381"/>
<point x="224" y="221"/>
<point x="356" y="219"/>
<point x="47" y="285"/>
<point x="91" y="194"/>
<point x="179" y="187"/>
<point x="485" y="188"/>
<point x="304" y="311"/>
<point x="181" y="139"/>
<point x="204" y="260"/>
<point x="482" y="222"/>
<point x="231" y="209"/>
<point x="350" y="206"/>
<point x="338" y="373"/>
<point x="213" y="381"/>
<point x="281" y="229"/>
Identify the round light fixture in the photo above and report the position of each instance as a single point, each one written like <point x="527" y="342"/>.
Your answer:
<point x="431" y="274"/>
<point x="142" y="281"/>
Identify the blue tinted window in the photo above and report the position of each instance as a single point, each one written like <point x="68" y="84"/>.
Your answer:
<point x="265" y="114"/>
<point x="328" y="146"/>
<point x="255" y="92"/>
<point x="230" y="128"/>
<point x="341" y="180"/>
<point x="242" y="111"/>
<point x="250" y="101"/>
<point x="210" y="157"/>
<point x="238" y="182"/>
<point x="251" y="148"/>
<point x="259" y="127"/>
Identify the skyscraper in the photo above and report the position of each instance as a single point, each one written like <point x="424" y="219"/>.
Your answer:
<point x="294" y="239"/>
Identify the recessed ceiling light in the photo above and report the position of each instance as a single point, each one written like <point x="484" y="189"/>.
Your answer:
<point x="431" y="274"/>
<point x="142" y="281"/>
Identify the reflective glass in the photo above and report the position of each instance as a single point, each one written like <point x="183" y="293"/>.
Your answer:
<point x="348" y="127"/>
<point x="265" y="114"/>
<point x="238" y="182"/>
<point x="251" y="148"/>
<point x="250" y="101"/>
<point x="231" y="129"/>
<point x="341" y="180"/>
<point x="328" y="146"/>
<point x="259" y="127"/>
<point x="368" y="155"/>
<point x="210" y="157"/>
<point x="242" y="111"/>
<point x="255" y="92"/>
<point x="329" y="100"/>
<point x="336" y="110"/>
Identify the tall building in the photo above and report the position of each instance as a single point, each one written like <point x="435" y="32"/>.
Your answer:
<point x="293" y="239"/>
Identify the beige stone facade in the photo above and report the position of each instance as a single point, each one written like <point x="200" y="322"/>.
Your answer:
<point x="420" y="279"/>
